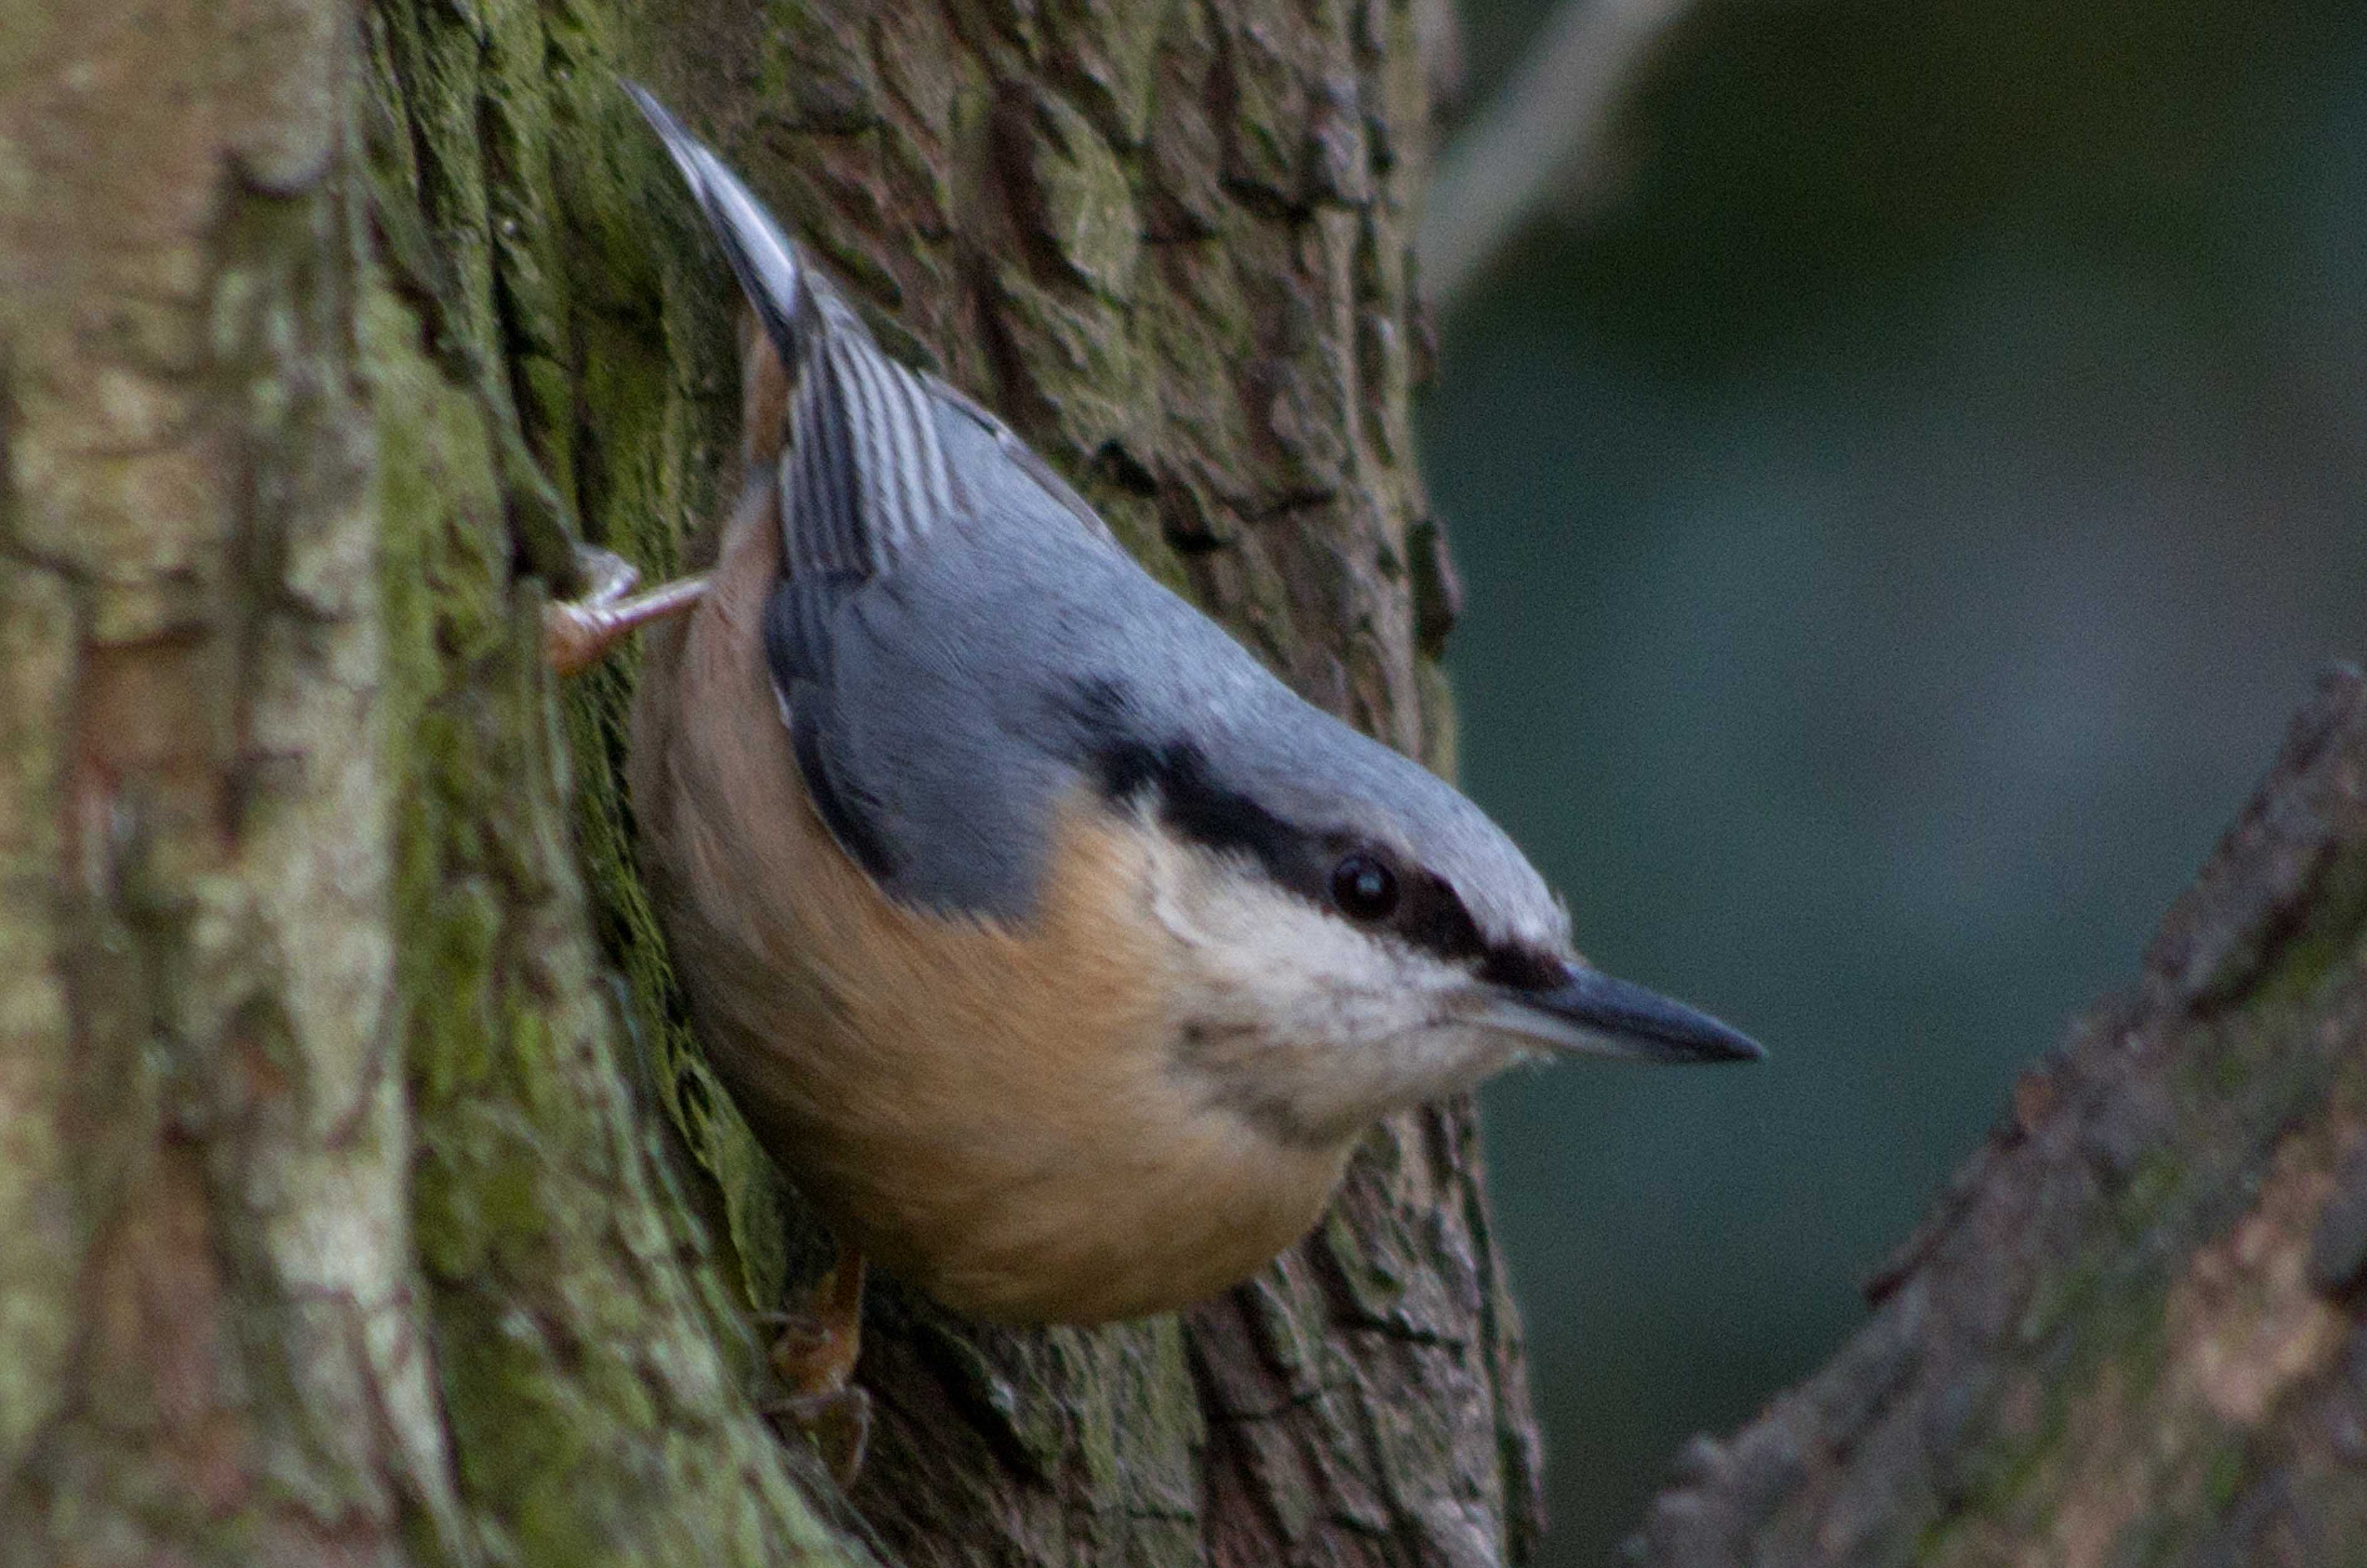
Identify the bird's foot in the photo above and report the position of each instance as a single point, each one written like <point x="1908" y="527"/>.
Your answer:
<point x="814" y="1358"/>
<point x="838" y="1425"/>
<point x="577" y="633"/>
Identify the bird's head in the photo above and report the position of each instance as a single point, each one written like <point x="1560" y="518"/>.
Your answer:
<point x="1354" y="937"/>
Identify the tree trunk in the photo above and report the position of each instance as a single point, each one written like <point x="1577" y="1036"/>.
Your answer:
<point x="2135" y="1329"/>
<point x="364" y="1197"/>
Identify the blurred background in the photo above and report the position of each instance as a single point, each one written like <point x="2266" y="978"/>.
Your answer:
<point x="1902" y="489"/>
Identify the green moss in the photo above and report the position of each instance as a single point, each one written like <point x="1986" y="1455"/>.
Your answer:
<point x="574" y="1344"/>
<point x="2337" y="913"/>
<point x="2224" y="1476"/>
<point x="1087" y="210"/>
<point x="1079" y="361"/>
<point x="1112" y="47"/>
<point x="816" y="67"/>
<point x="453" y="1019"/>
<point x="2093" y="1338"/>
<point x="48" y="1228"/>
<point x="2005" y="1486"/>
<point x="1272" y="119"/>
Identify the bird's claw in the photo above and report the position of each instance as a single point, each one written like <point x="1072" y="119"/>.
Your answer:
<point x="606" y="575"/>
<point x="837" y="1424"/>
<point x="576" y="633"/>
<point x="814" y="1358"/>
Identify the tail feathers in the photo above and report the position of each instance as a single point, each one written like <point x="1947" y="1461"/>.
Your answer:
<point x="863" y="476"/>
<point x="766" y="264"/>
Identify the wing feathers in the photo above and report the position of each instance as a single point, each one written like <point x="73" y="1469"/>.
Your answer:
<point x="876" y="416"/>
<point x="816" y="479"/>
<point x="906" y="652"/>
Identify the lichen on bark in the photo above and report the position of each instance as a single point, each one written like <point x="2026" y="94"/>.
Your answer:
<point x="1168" y="242"/>
<point x="365" y="1185"/>
<point x="363" y="1195"/>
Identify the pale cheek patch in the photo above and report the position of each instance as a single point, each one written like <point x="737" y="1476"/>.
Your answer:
<point x="1305" y="973"/>
<point x="1280" y="1005"/>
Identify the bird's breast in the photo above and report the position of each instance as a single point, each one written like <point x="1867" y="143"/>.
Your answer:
<point x="995" y="1112"/>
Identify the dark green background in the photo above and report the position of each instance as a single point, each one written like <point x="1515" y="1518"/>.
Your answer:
<point x="1896" y="525"/>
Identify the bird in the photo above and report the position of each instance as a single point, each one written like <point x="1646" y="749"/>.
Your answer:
<point x="1055" y="949"/>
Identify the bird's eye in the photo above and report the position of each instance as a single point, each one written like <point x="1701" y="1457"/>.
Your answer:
<point x="1364" y="888"/>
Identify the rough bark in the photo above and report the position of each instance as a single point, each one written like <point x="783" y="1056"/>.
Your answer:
<point x="2135" y="1330"/>
<point x="363" y="1196"/>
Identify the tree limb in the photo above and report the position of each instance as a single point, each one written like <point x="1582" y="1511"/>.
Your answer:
<point x="1544" y="125"/>
<point x="2132" y="1330"/>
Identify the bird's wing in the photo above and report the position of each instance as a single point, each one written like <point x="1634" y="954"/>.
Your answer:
<point x="940" y="588"/>
<point x="988" y="682"/>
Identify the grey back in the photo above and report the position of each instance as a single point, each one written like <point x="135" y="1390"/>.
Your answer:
<point x="959" y="645"/>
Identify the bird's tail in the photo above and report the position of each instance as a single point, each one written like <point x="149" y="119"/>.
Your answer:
<point x="778" y="284"/>
<point x="863" y="476"/>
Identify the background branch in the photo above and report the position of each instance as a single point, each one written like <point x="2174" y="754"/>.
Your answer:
<point x="2132" y="1331"/>
<point x="1536" y="136"/>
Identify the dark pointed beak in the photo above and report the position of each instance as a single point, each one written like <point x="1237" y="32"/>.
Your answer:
<point x="1588" y="1013"/>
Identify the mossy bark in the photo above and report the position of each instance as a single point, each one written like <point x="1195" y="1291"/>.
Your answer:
<point x="364" y="1196"/>
<point x="363" y="1199"/>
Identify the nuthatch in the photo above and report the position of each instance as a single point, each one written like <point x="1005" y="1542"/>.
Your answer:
<point x="1057" y="950"/>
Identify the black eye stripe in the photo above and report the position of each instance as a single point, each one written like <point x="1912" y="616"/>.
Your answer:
<point x="1425" y="912"/>
<point x="1202" y="812"/>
